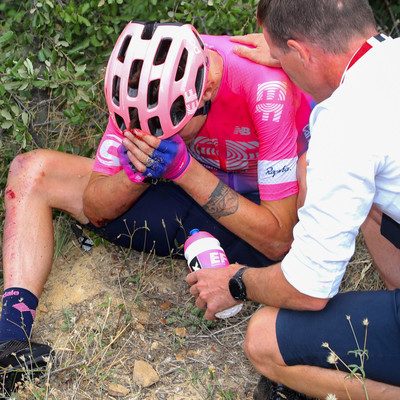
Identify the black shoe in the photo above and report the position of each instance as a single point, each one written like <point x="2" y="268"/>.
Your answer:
<point x="17" y="358"/>
<point x="269" y="390"/>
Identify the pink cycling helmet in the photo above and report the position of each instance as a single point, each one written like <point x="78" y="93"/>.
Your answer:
<point x="155" y="77"/>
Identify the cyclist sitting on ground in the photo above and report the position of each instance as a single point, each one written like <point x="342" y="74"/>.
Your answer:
<point x="236" y="176"/>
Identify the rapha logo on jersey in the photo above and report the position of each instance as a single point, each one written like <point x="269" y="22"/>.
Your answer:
<point x="107" y="153"/>
<point x="271" y="97"/>
<point x="273" y="172"/>
<point x="242" y="131"/>
<point x="191" y="102"/>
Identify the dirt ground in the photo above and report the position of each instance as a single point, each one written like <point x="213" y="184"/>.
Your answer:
<point x="125" y="326"/>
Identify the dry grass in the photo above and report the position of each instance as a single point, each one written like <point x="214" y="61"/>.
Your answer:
<point x="145" y="312"/>
<point x="361" y="273"/>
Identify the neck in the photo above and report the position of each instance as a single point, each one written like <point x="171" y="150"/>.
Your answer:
<point x="333" y="66"/>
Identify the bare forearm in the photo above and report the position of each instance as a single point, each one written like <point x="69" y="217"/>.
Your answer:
<point x="254" y="223"/>
<point x="107" y="197"/>
<point x="269" y="286"/>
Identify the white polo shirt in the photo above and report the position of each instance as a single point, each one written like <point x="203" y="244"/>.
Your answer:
<point x="354" y="162"/>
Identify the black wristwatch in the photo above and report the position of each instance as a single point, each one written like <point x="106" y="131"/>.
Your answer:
<point x="237" y="286"/>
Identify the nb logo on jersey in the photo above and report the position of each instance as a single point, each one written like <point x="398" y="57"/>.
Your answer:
<point x="271" y="97"/>
<point x="241" y="131"/>
<point x="191" y="102"/>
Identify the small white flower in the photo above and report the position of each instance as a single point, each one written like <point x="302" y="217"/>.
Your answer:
<point x="365" y="322"/>
<point x="332" y="358"/>
<point x="331" y="397"/>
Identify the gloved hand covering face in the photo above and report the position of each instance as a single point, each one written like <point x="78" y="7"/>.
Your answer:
<point x="169" y="160"/>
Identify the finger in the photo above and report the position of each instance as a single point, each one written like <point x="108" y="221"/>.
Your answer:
<point x="133" y="142"/>
<point x="138" y="150"/>
<point x="201" y="303"/>
<point x="191" y="278"/>
<point x="194" y="291"/>
<point x="244" y="39"/>
<point x="209" y="316"/>
<point x="150" y="140"/>
<point x="245" y="52"/>
<point x="137" y="157"/>
<point x="136" y="163"/>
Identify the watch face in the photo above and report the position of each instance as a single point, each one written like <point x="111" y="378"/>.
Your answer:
<point x="237" y="287"/>
<point x="234" y="288"/>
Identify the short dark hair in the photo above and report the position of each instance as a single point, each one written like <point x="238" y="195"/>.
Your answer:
<point x="327" y="24"/>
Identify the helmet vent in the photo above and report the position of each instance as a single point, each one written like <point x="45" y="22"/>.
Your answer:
<point x="120" y="122"/>
<point x="152" y="93"/>
<point x="199" y="81"/>
<point x="155" y="126"/>
<point x="199" y="39"/>
<point x="162" y="51"/>
<point x="123" y="48"/>
<point x="134" y="77"/>
<point x="134" y="118"/>
<point x="180" y="71"/>
<point x="178" y="110"/>
<point x="148" y="31"/>
<point x="115" y="90"/>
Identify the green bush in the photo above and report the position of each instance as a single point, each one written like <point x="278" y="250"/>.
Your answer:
<point x="52" y="59"/>
<point x="53" y="54"/>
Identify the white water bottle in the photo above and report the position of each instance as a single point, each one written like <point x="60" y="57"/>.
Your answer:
<point x="203" y="250"/>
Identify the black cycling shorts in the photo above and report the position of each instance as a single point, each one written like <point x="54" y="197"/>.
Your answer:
<point x="300" y="334"/>
<point x="390" y="229"/>
<point x="161" y="220"/>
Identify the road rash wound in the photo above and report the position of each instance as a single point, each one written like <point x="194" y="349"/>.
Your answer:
<point x="10" y="194"/>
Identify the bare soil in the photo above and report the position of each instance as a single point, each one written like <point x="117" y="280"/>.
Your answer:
<point x="104" y="310"/>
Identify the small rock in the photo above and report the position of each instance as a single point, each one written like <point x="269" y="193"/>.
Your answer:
<point x="181" y="356"/>
<point x="155" y="346"/>
<point x="114" y="389"/>
<point x="144" y="374"/>
<point x="181" y="332"/>
<point x="42" y="308"/>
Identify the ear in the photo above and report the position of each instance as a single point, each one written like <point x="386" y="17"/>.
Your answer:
<point x="302" y="51"/>
<point x="208" y="91"/>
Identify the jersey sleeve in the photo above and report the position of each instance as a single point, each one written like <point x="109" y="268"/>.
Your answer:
<point x="107" y="159"/>
<point x="274" y="104"/>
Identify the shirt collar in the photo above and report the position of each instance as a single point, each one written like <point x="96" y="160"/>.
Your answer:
<point x="367" y="46"/>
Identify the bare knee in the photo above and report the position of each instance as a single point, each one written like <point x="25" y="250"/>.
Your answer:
<point x="260" y="345"/>
<point x="27" y="172"/>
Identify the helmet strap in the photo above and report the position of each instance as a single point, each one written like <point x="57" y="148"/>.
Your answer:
<point x="203" y="110"/>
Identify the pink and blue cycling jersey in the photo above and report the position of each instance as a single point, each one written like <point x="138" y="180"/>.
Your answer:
<point x="250" y="137"/>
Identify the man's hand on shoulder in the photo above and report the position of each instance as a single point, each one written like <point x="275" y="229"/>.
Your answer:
<point x="258" y="52"/>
